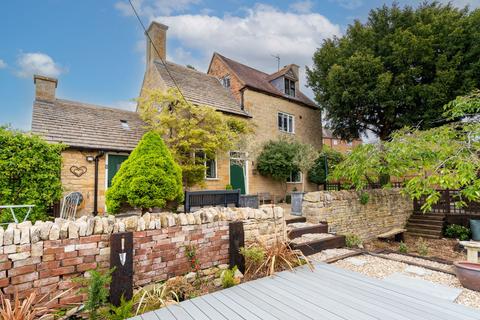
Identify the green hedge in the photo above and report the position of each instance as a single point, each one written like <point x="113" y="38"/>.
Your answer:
<point x="29" y="173"/>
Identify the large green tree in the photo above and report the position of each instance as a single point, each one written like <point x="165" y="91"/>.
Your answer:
<point x="397" y="68"/>
<point x="29" y="174"/>
<point x="444" y="157"/>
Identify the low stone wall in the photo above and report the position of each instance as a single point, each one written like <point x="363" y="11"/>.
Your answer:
<point x="385" y="209"/>
<point x="45" y="257"/>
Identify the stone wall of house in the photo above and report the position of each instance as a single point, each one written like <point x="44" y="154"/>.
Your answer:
<point x="46" y="256"/>
<point x="385" y="209"/>
<point x="76" y="161"/>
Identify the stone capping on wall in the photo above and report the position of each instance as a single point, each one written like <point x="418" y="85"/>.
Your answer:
<point x="26" y="233"/>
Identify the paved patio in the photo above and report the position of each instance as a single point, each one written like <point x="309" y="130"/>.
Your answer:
<point x="326" y="293"/>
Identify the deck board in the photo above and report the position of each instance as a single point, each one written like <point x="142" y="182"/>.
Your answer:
<point x="325" y="293"/>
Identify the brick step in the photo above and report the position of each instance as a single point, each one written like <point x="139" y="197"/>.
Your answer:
<point x="423" y="235"/>
<point x="426" y="226"/>
<point x="295" y="219"/>
<point x="426" y="221"/>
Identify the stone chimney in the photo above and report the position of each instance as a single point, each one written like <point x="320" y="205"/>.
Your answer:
<point x="44" y="88"/>
<point x="158" y="35"/>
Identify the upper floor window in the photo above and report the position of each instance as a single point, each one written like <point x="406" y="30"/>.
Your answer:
<point x="210" y="165"/>
<point x="286" y="122"/>
<point x="289" y="87"/>
<point x="335" y="142"/>
<point x="226" y="81"/>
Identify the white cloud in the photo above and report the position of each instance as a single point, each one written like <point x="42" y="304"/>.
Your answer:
<point x="472" y="4"/>
<point x="302" y="6"/>
<point x="151" y="8"/>
<point x="37" y="63"/>
<point x="250" y="39"/>
<point x="3" y="64"/>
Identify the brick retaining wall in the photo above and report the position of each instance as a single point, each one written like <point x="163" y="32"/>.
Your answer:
<point x="46" y="257"/>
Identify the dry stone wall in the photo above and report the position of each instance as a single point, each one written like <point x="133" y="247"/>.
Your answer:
<point x="46" y="256"/>
<point x="385" y="209"/>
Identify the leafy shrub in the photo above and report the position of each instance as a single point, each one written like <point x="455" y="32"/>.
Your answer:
<point x="228" y="278"/>
<point x="183" y="289"/>
<point x="277" y="159"/>
<point x="364" y="197"/>
<point x="457" y="231"/>
<point x="352" y="240"/>
<point x="317" y="174"/>
<point x="96" y="287"/>
<point x="422" y="247"/>
<point x="254" y="257"/>
<point x="155" y="297"/>
<point x="148" y="178"/>
<point x="123" y="311"/>
<point x="228" y="187"/>
<point x="402" y="248"/>
<point x="30" y="173"/>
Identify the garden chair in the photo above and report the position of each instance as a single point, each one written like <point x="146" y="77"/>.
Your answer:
<point x="70" y="204"/>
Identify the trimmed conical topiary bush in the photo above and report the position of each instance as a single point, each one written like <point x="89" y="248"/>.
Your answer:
<point x="148" y="178"/>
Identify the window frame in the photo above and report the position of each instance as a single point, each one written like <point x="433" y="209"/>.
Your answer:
<point x="205" y="160"/>
<point x="225" y="80"/>
<point x="300" y="175"/>
<point x="285" y="126"/>
<point x="290" y="89"/>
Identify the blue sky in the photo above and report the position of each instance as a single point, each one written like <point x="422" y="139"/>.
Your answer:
<point x="96" y="48"/>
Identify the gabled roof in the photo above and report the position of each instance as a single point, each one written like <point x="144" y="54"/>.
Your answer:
<point x="287" y="70"/>
<point x="258" y="80"/>
<point x="200" y="88"/>
<point x="82" y="125"/>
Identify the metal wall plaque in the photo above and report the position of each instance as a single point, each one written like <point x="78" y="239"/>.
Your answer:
<point x="121" y="258"/>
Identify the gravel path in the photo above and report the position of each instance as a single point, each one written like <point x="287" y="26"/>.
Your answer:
<point x="297" y="225"/>
<point x="380" y="268"/>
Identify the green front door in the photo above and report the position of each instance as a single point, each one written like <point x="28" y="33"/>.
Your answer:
<point x="237" y="177"/>
<point x="114" y="163"/>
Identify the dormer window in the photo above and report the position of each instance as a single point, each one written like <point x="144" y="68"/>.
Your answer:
<point x="226" y="82"/>
<point x="289" y="87"/>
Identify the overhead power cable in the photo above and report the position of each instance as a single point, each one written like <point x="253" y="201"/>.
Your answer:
<point x="156" y="50"/>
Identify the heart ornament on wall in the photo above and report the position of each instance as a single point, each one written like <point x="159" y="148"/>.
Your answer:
<point x="78" y="171"/>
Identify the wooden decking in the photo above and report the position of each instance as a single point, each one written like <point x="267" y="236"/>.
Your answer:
<point x="326" y="293"/>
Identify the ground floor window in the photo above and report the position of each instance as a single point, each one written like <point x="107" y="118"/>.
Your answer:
<point x="210" y="165"/>
<point x="295" y="177"/>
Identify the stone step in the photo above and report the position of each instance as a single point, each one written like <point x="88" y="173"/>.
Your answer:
<point x="425" y="231"/>
<point x="298" y="232"/>
<point x="423" y="235"/>
<point x="437" y="217"/>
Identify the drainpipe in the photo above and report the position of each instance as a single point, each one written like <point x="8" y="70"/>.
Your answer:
<point x="95" y="192"/>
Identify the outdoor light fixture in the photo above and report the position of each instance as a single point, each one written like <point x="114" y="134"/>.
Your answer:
<point x="90" y="158"/>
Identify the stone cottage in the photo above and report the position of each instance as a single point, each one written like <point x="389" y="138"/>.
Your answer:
<point x="99" y="139"/>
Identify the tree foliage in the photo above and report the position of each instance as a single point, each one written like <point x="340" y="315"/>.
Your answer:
<point x="396" y="69"/>
<point x="445" y="157"/>
<point x="317" y="173"/>
<point x="149" y="178"/>
<point x="187" y="128"/>
<point x="29" y="174"/>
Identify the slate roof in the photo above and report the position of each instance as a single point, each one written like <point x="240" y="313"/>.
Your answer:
<point x="82" y="125"/>
<point x="259" y="80"/>
<point x="200" y="88"/>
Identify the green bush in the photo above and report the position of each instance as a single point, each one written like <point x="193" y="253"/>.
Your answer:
<point x="352" y="240"/>
<point x="228" y="278"/>
<point x="148" y="178"/>
<point x="402" y="248"/>
<point x="29" y="173"/>
<point x="458" y="232"/>
<point x="422" y="247"/>
<point x="317" y="174"/>
<point x="277" y="159"/>
<point x="364" y="197"/>
<point x="96" y="287"/>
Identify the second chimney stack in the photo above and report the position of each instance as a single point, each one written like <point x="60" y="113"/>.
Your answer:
<point x="45" y="88"/>
<point x="158" y="35"/>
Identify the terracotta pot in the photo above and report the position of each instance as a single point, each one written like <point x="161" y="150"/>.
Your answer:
<point x="468" y="273"/>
